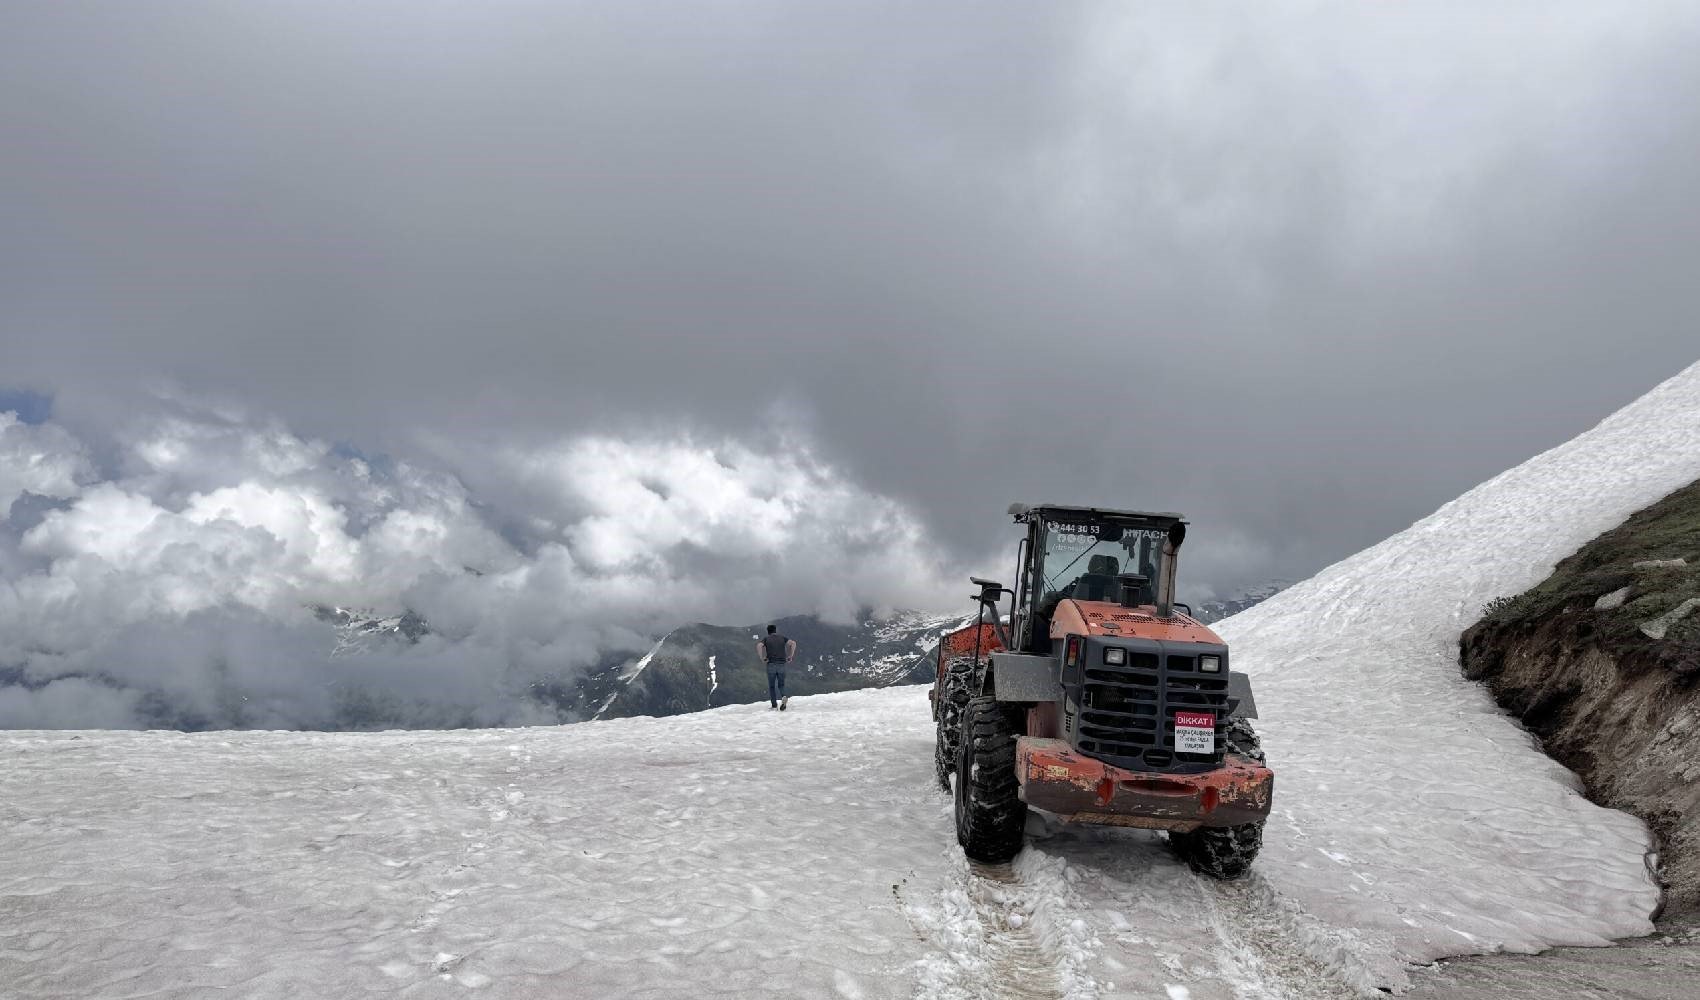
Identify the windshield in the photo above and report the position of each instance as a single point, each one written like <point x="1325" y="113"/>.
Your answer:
<point x="1082" y="561"/>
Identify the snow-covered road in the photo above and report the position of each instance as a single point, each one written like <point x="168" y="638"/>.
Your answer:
<point x="737" y="853"/>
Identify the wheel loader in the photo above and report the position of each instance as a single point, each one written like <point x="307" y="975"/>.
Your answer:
<point x="1097" y="698"/>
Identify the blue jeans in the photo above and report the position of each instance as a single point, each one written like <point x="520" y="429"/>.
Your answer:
<point x="775" y="682"/>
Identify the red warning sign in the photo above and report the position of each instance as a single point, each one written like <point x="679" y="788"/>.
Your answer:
<point x="1195" y="732"/>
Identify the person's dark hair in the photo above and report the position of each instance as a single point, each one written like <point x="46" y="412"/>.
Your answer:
<point x="772" y="629"/>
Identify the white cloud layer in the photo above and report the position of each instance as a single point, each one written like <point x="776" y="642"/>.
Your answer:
<point x="178" y="588"/>
<point x="39" y="459"/>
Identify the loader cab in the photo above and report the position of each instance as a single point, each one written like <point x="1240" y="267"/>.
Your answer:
<point x="1091" y="554"/>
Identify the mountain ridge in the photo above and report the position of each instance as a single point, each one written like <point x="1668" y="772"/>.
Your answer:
<point x="703" y="665"/>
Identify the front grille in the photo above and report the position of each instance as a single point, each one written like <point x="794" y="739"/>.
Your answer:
<point x="1127" y="713"/>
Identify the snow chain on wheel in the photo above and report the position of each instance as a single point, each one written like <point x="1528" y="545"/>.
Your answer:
<point x="990" y="816"/>
<point x="953" y="697"/>
<point x="1242" y="739"/>
<point x="1223" y="852"/>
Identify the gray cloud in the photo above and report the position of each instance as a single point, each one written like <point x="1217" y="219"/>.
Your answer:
<point x="183" y="589"/>
<point x="1303" y="273"/>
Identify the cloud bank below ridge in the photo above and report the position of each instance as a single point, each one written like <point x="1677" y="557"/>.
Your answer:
<point x="167" y="575"/>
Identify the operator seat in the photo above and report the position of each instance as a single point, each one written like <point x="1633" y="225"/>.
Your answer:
<point x="1099" y="582"/>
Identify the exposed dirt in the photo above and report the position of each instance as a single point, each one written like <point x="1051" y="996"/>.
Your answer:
<point x="1602" y="662"/>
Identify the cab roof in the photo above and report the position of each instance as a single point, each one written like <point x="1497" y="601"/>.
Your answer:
<point x="1030" y="512"/>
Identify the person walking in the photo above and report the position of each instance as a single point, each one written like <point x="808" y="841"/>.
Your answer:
<point x="776" y="651"/>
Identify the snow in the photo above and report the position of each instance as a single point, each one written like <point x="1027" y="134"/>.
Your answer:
<point x="897" y="639"/>
<point x="743" y="853"/>
<point x="358" y="629"/>
<point x="1407" y="807"/>
<point x="631" y="673"/>
<point x="644" y="660"/>
<point x="729" y="853"/>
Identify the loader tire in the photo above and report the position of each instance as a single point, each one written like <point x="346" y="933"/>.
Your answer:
<point x="990" y="816"/>
<point x="1242" y="739"/>
<point x="953" y="698"/>
<point x="1221" y="852"/>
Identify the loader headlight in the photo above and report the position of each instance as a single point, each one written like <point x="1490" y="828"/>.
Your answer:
<point x="1210" y="664"/>
<point x="1115" y="656"/>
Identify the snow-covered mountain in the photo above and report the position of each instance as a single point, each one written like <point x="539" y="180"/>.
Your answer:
<point x="701" y="666"/>
<point x="1216" y="609"/>
<point x="743" y="853"/>
<point x="360" y="630"/>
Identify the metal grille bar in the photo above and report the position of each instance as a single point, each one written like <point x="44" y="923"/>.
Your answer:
<point x="1127" y="712"/>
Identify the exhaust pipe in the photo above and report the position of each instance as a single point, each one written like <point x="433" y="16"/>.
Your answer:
<point x="1166" y="577"/>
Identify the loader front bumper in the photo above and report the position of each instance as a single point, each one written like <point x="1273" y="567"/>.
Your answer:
<point x="1056" y="778"/>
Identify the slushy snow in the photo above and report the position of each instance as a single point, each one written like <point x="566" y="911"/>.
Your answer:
<point x="1407" y="806"/>
<point x="742" y="853"/>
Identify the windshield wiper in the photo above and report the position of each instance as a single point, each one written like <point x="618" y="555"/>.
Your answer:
<point x="1050" y="581"/>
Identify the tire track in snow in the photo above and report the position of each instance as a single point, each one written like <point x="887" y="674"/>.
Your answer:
<point x="1005" y="931"/>
<point x="1260" y="944"/>
<point x="1272" y="949"/>
<point x="1021" y="966"/>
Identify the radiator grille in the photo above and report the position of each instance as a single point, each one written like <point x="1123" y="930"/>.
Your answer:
<point x="1127" y="713"/>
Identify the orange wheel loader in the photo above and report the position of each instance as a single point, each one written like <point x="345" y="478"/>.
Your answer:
<point x="1097" y="698"/>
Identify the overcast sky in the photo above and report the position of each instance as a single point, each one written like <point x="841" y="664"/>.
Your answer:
<point x="1302" y="271"/>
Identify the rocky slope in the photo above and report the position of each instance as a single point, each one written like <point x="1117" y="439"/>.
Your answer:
<point x="674" y="676"/>
<point x="702" y="666"/>
<point x="699" y="666"/>
<point x="1602" y="662"/>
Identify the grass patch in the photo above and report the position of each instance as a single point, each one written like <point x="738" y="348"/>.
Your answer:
<point x="1669" y="529"/>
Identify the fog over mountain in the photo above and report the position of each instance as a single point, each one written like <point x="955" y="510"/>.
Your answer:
<point x="184" y="560"/>
<point x="562" y="325"/>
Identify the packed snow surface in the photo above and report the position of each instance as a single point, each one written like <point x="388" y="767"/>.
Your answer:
<point x="731" y="853"/>
<point x="744" y="853"/>
<point x="1406" y="806"/>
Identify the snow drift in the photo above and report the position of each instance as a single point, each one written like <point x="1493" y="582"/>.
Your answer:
<point x="745" y="853"/>
<point x="1407" y="806"/>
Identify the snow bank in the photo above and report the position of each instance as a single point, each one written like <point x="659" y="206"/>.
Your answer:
<point x="1407" y="806"/>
